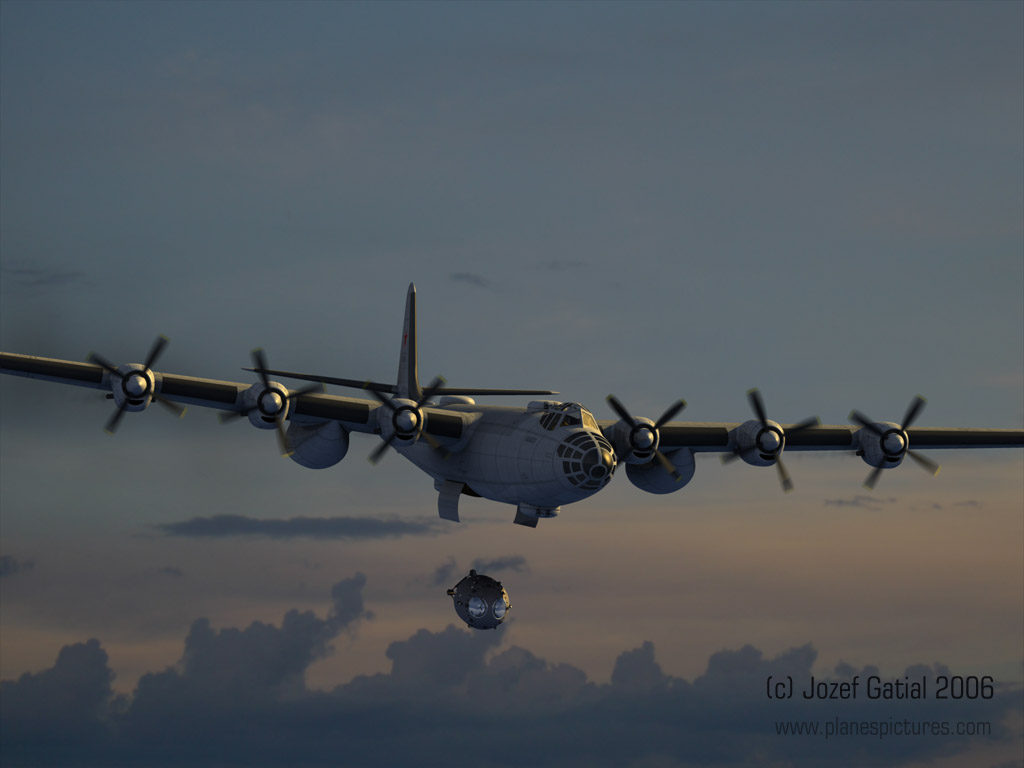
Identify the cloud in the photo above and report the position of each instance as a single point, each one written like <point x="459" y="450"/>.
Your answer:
<point x="637" y="672"/>
<point x="170" y="570"/>
<point x="448" y="571"/>
<point x="448" y="693"/>
<point x="439" y="659"/>
<point x="43" y="277"/>
<point x="471" y="278"/>
<point x="515" y="563"/>
<point x="860" y="500"/>
<point x="10" y="566"/>
<point x="60" y="712"/>
<point x="231" y="670"/>
<point x="347" y="603"/>
<point x="445" y="572"/>
<point x="220" y="526"/>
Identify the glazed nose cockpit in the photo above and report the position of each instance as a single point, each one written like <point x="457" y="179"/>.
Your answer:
<point x="587" y="459"/>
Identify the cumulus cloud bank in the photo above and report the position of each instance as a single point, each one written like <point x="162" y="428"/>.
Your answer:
<point x="240" y="695"/>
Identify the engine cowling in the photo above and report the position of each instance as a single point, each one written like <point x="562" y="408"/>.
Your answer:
<point x="635" y="443"/>
<point x="318" y="446"/>
<point x="266" y="403"/>
<point x="653" y="477"/>
<point x="401" y="423"/>
<point x="134" y="390"/>
<point x="759" y="444"/>
<point x="884" y="446"/>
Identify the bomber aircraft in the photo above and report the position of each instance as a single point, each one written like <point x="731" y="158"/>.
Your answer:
<point x="537" y="458"/>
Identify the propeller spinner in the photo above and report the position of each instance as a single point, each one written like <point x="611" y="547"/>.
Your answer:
<point x="137" y="384"/>
<point x="770" y="440"/>
<point x="895" y="442"/>
<point x="406" y="420"/>
<point x="643" y="437"/>
<point x="272" y="403"/>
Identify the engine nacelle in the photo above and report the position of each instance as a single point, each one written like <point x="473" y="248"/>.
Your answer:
<point x="885" y="450"/>
<point x="318" y="446"/>
<point x="634" y="444"/>
<point x="457" y="400"/>
<point x="402" y="423"/>
<point x="133" y="389"/>
<point x="266" y="404"/>
<point x="654" y="478"/>
<point x="759" y="444"/>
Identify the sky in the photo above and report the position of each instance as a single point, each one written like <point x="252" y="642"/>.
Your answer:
<point x="656" y="200"/>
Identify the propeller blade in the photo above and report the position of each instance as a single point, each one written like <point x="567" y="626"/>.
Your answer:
<point x="872" y="478"/>
<point x="620" y="409"/>
<point x="260" y="361"/>
<point x="913" y="411"/>
<point x="380" y="450"/>
<point x="784" y="478"/>
<point x="865" y="422"/>
<point x="102" y="361"/>
<point x="306" y="391"/>
<point x="232" y="415"/>
<point x="668" y="465"/>
<point x="436" y="446"/>
<point x="813" y="421"/>
<point x="282" y="438"/>
<point x="757" y="403"/>
<point x="383" y="400"/>
<point x="925" y="463"/>
<point x="668" y="415"/>
<point x="111" y="427"/>
<point x="155" y="351"/>
<point x="430" y="391"/>
<point x="178" y="410"/>
<point x="227" y="416"/>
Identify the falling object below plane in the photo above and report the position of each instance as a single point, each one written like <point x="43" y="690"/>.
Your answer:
<point x="480" y="601"/>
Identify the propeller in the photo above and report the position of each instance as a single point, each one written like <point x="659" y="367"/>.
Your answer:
<point x="136" y="384"/>
<point x="644" y="437"/>
<point x="895" y="442"/>
<point x="774" y="436"/>
<point x="270" y="403"/>
<point x="407" y="420"/>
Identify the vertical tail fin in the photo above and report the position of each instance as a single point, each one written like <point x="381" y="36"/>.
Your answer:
<point x="408" y="373"/>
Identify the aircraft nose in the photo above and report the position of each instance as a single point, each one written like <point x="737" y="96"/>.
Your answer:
<point x="598" y="462"/>
<point x="586" y="459"/>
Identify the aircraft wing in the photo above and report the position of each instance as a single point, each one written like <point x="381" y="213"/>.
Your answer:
<point x="721" y="437"/>
<point x="353" y="413"/>
<point x="391" y="389"/>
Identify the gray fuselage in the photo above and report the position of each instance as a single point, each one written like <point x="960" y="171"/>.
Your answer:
<point x="541" y="458"/>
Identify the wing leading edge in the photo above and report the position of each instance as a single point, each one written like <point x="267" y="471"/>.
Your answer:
<point x="353" y="413"/>
<point x="718" y="437"/>
<point x="358" y="415"/>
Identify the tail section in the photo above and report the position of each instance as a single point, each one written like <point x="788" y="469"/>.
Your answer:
<point x="409" y="376"/>
<point x="408" y="364"/>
